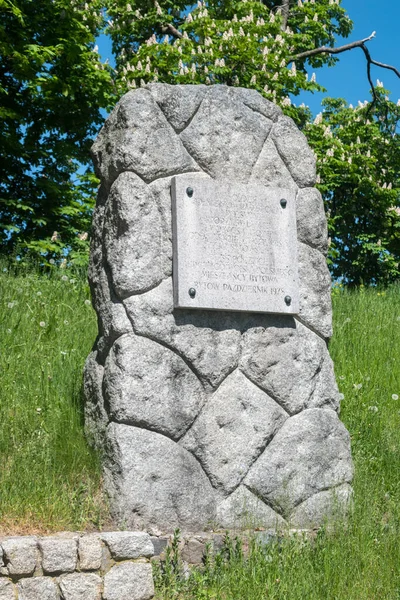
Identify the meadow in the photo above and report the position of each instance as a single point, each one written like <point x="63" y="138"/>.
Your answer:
<point x="51" y="480"/>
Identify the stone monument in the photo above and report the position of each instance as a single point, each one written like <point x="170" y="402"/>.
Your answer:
<point x="210" y="390"/>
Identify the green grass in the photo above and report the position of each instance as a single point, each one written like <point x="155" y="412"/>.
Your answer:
<point x="50" y="479"/>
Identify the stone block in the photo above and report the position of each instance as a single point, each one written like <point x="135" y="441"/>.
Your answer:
<point x="159" y="544"/>
<point x="59" y="555"/>
<point x="129" y="580"/>
<point x="96" y="417"/>
<point x="225" y="137"/>
<point x="323" y="507"/>
<point x="21" y="555"/>
<point x="137" y="137"/>
<point x="232" y="430"/>
<point x="243" y="510"/>
<point x="7" y="590"/>
<point x="81" y="586"/>
<point x="193" y="552"/>
<point x="311" y="221"/>
<point x="148" y="385"/>
<point x="173" y="490"/>
<point x="315" y="291"/>
<point x="309" y="454"/>
<point x="208" y="340"/>
<point x="90" y="550"/>
<point x="297" y="155"/>
<point x="291" y="363"/>
<point x="132" y="236"/>
<point x="38" y="588"/>
<point x="178" y="102"/>
<point x="125" y="545"/>
<point x="270" y="170"/>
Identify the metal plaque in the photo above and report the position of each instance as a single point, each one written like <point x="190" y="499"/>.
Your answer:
<point x="234" y="246"/>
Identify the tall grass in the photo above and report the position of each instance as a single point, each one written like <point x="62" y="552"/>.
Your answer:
<point x="49" y="478"/>
<point x="359" y="559"/>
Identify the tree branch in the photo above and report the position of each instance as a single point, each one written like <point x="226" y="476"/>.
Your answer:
<point x="358" y="44"/>
<point x="285" y="13"/>
<point x="328" y="50"/>
<point x="167" y="26"/>
<point x="172" y="29"/>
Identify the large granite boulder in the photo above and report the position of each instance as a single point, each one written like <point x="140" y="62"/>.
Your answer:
<point x="208" y="418"/>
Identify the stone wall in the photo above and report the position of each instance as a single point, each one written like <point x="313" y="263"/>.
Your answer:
<point x="206" y="418"/>
<point x="107" y="566"/>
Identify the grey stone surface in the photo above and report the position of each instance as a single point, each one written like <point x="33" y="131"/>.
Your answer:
<point x="234" y="246"/>
<point x="174" y="375"/>
<point x="193" y="552"/>
<point x="37" y="588"/>
<point x="225" y="137"/>
<point x="150" y="386"/>
<point x="132" y="236"/>
<point x="311" y="221"/>
<point x="243" y="510"/>
<point x="293" y="147"/>
<point x="315" y="291"/>
<point x="309" y="454"/>
<point x="154" y="483"/>
<point x="124" y="545"/>
<point x="21" y="555"/>
<point x="179" y="103"/>
<point x="90" y="551"/>
<point x="59" y="554"/>
<point x="291" y="363"/>
<point x="270" y="170"/>
<point x="232" y="430"/>
<point x="81" y="586"/>
<point x="161" y="190"/>
<point x="208" y="340"/>
<point x="159" y="544"/>
<point x="137" y="137"/>
<point x="323" y="507"/>
<point x="129" y="580"/>
<point x="96" y="417"/>
<point x="1" y="557"/>
<point x="253" y="100"/>
<point x="7" y="590"/>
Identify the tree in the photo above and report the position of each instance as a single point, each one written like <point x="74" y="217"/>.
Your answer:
<point x="52" y="86"/>
<point x="274" y="46"/>
<point x="359" y="168"/>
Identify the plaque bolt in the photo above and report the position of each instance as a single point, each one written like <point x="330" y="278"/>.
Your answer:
<point x="192" y="292"/>
<point x="283" y="203"/>
<point x="189" y="191"/>
<point x="288" y="300"/>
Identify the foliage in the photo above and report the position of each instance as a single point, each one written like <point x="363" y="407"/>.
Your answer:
<point x="52" y="86"/>
<point x="49" y="478"/>
<point x="235" y="43"/>
<point x="353" y="560"/>
<point x="359" y="176"/>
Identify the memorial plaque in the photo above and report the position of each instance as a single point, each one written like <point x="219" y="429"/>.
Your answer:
<point x="234" y="246"/>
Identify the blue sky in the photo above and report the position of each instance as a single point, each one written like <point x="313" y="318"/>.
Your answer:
<point x="348" y="79"/>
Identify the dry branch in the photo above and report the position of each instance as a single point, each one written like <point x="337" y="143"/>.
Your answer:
<point x="345" y="48"/>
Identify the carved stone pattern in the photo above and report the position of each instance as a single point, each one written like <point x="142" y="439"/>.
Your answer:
<point x="207" y="416"/>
